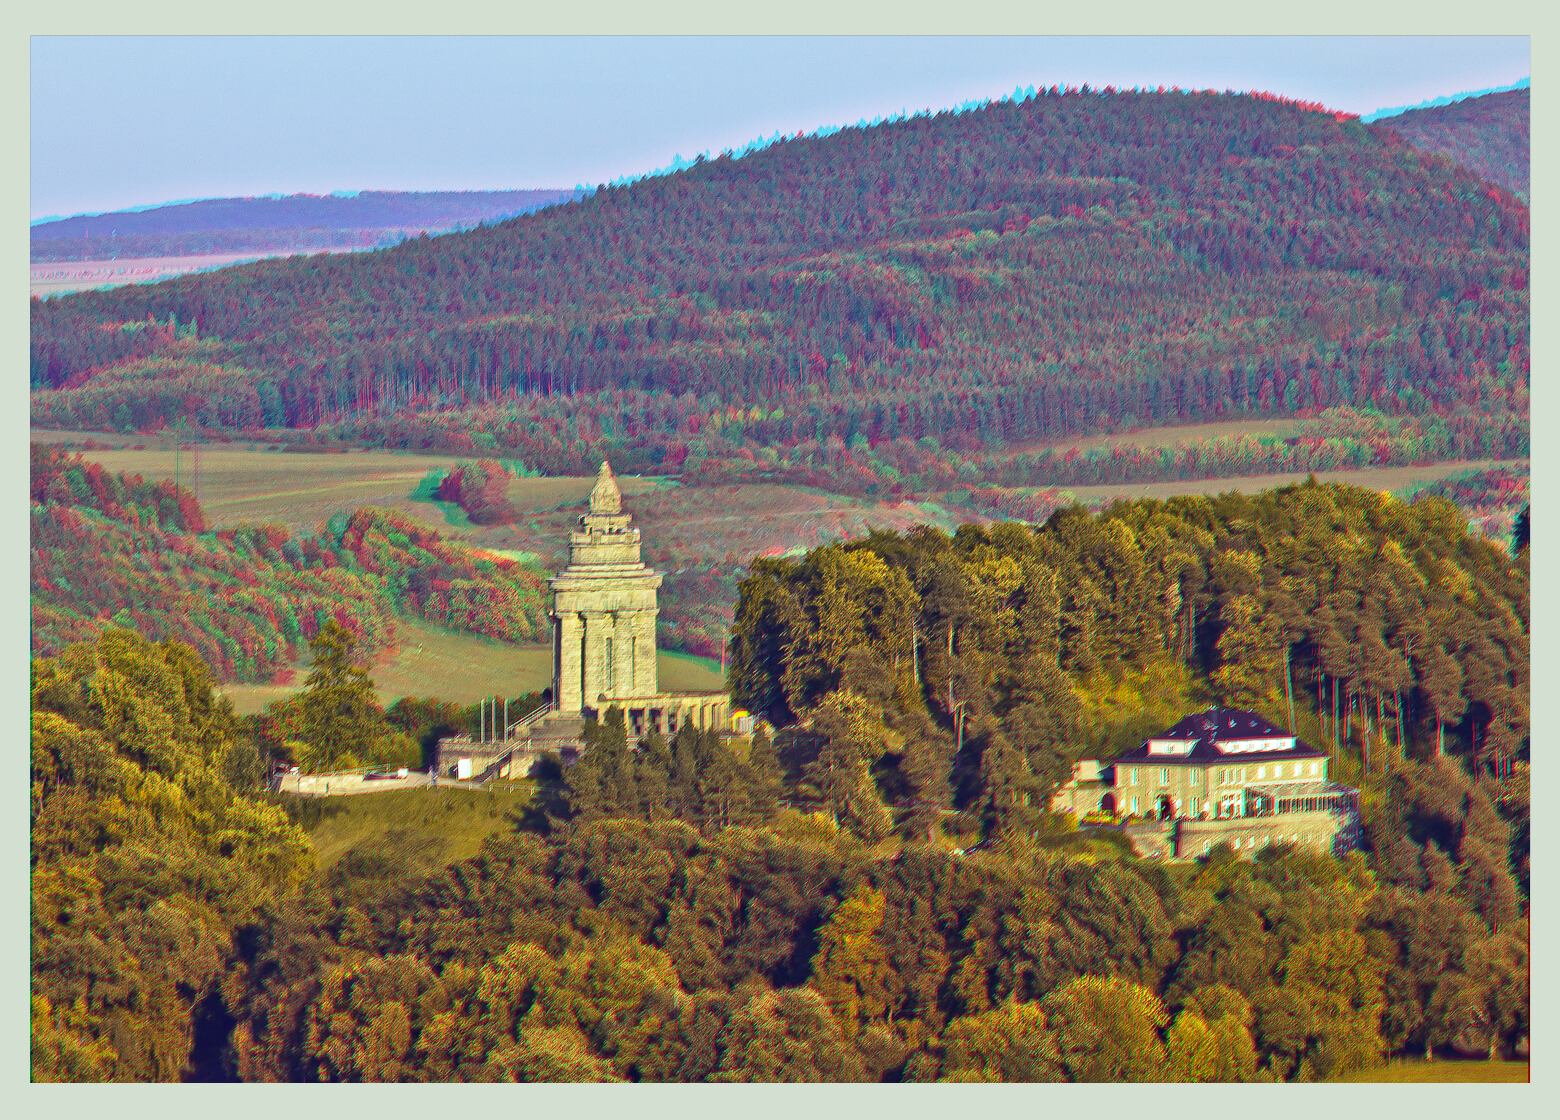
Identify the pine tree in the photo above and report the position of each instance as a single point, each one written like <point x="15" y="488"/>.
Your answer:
<point x="1442" y="681"/>
<point x="687" y="762"/>
<point x="601" y="783"/>
<point x="652" y="773"/>
<point x="342" y="722"/>
<point x="1010" y="788"/>
<point x="762" y="773"/>
<point x="927" y="762"/>
<point x="722" y="792"/>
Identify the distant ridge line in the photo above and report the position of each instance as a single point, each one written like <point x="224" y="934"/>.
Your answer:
<point x="305" y="209"/>
<point x="1451" y="99"/>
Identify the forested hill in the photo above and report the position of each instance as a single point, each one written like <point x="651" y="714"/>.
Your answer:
<point x="1077" y="260"/>
<point x="1487" y="134"/>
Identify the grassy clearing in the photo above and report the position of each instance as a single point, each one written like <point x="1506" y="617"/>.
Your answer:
<point x="237" y="483"/>
<point x="694" y="526"/>
<point x="705" y="524"/>
<point x="1163" y="437"/>
<point x="420" y="830"/>
<point x="683" y="672"/>
<point x="1422" y="1072"/>
<point x="429" y="661"/>
<point x="1374" y="478"/>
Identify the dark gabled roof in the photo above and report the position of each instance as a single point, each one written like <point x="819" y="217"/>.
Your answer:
<point x="1222" y="723"/>
<point x="1208" y="729"/>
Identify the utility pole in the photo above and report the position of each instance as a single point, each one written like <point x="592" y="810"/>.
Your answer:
<point x="950" y="666"/>
<point x="1289" y="699"/>
<point x="1408" y="665"/>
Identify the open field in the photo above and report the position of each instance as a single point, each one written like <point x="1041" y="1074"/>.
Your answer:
<point x="1420" y="1072"/>
<point x="1375" y="478"/>
<point x="681" y="524"/>
<point x="702" y="525"/>
<point x="303" y="490"/>
<point x="53" y="278"/>
<point x="464" y="668"/>
<point x="1163" y="437"/>
<point x="416" y="830"/>
<point x="683" y="672"/>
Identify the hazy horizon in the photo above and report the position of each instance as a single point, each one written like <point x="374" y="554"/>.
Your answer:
<point x="273" y="116"/>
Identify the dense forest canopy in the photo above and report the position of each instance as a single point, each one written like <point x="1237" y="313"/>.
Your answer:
<point x="1079" y="260"/>
<point x="1404" y="635"/>
<point x="874" y="894"/>
<point x="661" y="914"/>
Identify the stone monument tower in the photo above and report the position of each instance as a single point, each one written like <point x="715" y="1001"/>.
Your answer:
<point x="604" y="656"/>
<point x="604" y="611"/>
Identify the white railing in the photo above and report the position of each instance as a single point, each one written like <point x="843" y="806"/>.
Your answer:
<point x="521" y="725"/>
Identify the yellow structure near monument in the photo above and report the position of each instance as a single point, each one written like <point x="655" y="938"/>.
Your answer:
<point x="603" y="652"/>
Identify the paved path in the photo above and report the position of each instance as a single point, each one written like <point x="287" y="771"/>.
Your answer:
<point x="348" y="785"/>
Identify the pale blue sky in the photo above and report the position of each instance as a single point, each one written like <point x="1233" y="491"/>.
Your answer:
<point x="134" y="121"/>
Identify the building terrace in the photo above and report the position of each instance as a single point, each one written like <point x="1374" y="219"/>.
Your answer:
<point x="1215" y="776"/>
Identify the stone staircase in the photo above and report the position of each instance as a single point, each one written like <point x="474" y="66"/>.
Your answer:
<point x="541" y="732"/>
<point x="554" y="731"/>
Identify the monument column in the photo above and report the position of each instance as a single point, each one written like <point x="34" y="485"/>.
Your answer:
<point x="567" y="696"/>
<point x="645" y="683"/>
<point x="625" y="656"/>
<point x="596" y="633"/>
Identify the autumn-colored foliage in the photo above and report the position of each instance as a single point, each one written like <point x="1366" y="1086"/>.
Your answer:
<point x="109" y="549"/>
<point x="478" y="488"/>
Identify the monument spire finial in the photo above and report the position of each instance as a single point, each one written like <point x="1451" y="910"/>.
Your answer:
<point x="606" y="498"/>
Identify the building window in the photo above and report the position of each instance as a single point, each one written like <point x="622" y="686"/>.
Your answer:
<point x="1132" y="781"/>
<point x="1313" y="768"/>
<point x="1134" y="807"/>
<point x="1261" y="770"/>
<point x="1164" y="777"/>
<point x="1194" y="777"/>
